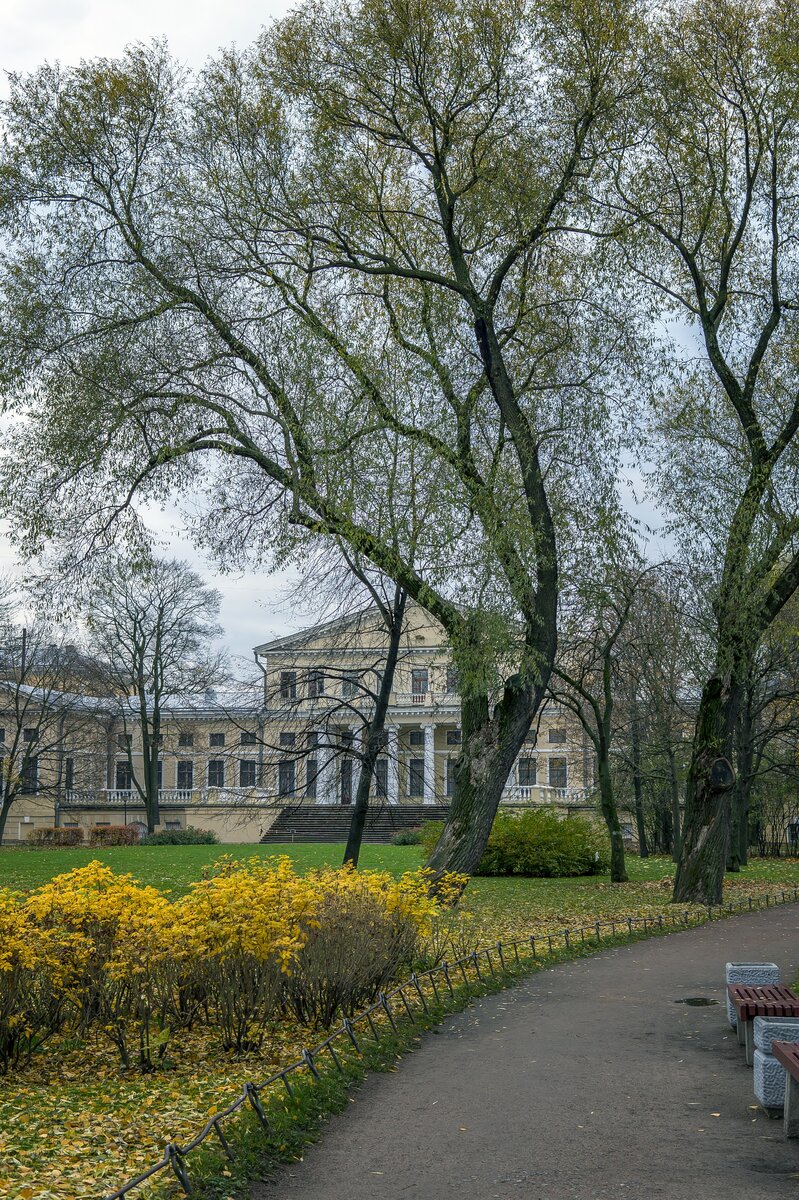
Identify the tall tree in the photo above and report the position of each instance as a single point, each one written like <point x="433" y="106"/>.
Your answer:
<point x="152" y="624"/>
<point x="704" y="190"/>
<point x="368" y="222"/>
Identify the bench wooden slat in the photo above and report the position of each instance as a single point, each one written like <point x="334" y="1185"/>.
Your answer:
<point x="763" y="1000"/>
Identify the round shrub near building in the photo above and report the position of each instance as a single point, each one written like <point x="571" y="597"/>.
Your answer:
<point x="540" y="843"/>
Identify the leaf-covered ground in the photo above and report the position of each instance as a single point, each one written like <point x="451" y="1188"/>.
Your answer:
<point x="73" y="1125"/>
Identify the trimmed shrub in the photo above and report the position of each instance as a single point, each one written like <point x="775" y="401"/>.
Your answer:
<point x="430" y="833"/>
<point x="542" y="844"/>
<point x="50" y="836"/>
<point x="181" y="837"/>
<point x="407" y="837"/>
<point x="114" y="835"/>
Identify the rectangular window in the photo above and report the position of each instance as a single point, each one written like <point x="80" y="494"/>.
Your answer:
<point x="316" y="684"/>
<point x="453" y="683"/>
<point x="380" y="780"/>
<point x="288" y="685"/>
<point x="557" y="772"/>
<point x="185" y="774"/>
<point x="312" y="741"/>
<point x="349" y="683"/>
<point x="123" y="741"/>
<point x="2" y="737"/>
<point x="30" y="734"/>
<point x="286" y="774"/>
<point x="247" y="773"/>
<point x="450" y="776"/>
<point x="69" y="773"/>
<point x="416" y="777"/>
<point x="527" y="772"/>
<point x="30" y="775"/>
<point x="216" y="739"/>
<point x="346" y="781"/>
<point x="378" y="681"/>
<point x="311" y="775"/>
<point x="531" y="737"/>
<point x="123" y="781"/>
<point x="171" y="824"/>
<point x="416" y="737"/>
<point x="453" y="737"/>
<point x="288" y="739"/>
<point x="160" y="774"/>
<point x="557" y="735"/>
<point x="216" y="772"/>
<point x="247" y="738"/>
<point x="185" y="740"/>
<point x="419" y="681"/>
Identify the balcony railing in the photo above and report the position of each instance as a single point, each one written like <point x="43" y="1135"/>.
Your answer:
<point x="129" y="798"/>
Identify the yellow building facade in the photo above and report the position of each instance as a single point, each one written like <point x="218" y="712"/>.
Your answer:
<point x="232" y="764"/>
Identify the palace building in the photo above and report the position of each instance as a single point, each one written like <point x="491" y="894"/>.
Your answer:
<point x="242" y="764"/>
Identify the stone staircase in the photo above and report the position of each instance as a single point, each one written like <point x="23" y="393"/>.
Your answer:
<point x="320" y="823"/>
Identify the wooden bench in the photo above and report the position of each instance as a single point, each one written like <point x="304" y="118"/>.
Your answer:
<point x="759" y="1000"/>
<point x="787" y="1055"/>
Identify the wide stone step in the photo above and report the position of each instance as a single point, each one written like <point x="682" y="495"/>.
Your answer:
<point x="314" y="824"/>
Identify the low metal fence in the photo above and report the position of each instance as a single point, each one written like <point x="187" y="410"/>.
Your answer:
<point x="400" y="1002"/>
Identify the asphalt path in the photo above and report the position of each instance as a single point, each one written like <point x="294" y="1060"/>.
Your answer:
<point x="586" y="1080"/>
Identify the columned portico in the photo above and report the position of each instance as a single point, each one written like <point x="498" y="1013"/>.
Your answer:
<point x="326" y="789"/>
<point x="429" y="785"/>
<point x="392" y="769"/>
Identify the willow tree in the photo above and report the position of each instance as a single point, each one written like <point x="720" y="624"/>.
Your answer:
<point x="706" y="194"/>
<point x="370" y="221"/>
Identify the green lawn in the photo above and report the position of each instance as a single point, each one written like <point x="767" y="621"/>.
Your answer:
<point x="503" y="905"/>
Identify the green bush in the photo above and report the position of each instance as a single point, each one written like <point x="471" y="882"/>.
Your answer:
<point x="542" y="844"/>
<point x="430" y="832"/>
<point x="407" y="837"/>
<point x="49" y="836"/>
<point x="181" y="837"/>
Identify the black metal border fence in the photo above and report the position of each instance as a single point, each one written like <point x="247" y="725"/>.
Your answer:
<point x="401" y="1000"/>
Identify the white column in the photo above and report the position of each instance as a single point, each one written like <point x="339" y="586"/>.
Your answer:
<point x="392" y="772"/>
<point x="429" y="786"/>
<point x="326" y="779"/>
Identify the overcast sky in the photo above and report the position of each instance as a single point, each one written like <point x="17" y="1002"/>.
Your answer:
<point x="32" y="31"/>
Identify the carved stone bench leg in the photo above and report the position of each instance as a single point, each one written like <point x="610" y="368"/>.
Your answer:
<point x="791" y="1106"/>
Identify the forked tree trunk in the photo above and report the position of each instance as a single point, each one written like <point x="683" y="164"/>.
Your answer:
<point x="706" y="830"/>
<point x="489" y="750"/>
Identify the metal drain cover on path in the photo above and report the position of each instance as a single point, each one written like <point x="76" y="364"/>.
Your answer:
<point x="696" y="1001"/>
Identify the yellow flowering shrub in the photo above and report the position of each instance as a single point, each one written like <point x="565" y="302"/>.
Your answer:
<point x="242" y="929"/>
<point x="251" y="943"/>
<point x="33" y="968"/>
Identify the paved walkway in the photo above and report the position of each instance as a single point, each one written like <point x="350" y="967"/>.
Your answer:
<point x="585" y="1081"/>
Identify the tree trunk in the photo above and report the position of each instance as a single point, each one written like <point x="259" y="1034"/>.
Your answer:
<point x="607" y="802"/>
<point x="5" y="809"/>
<point x="643" y="848"/>
<point x="676" y="822"/>
<point x="739" y="809"/>
<point x="374" y="735"/>
<point x="700" y="871"/>
<point x="489" y="750"/>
